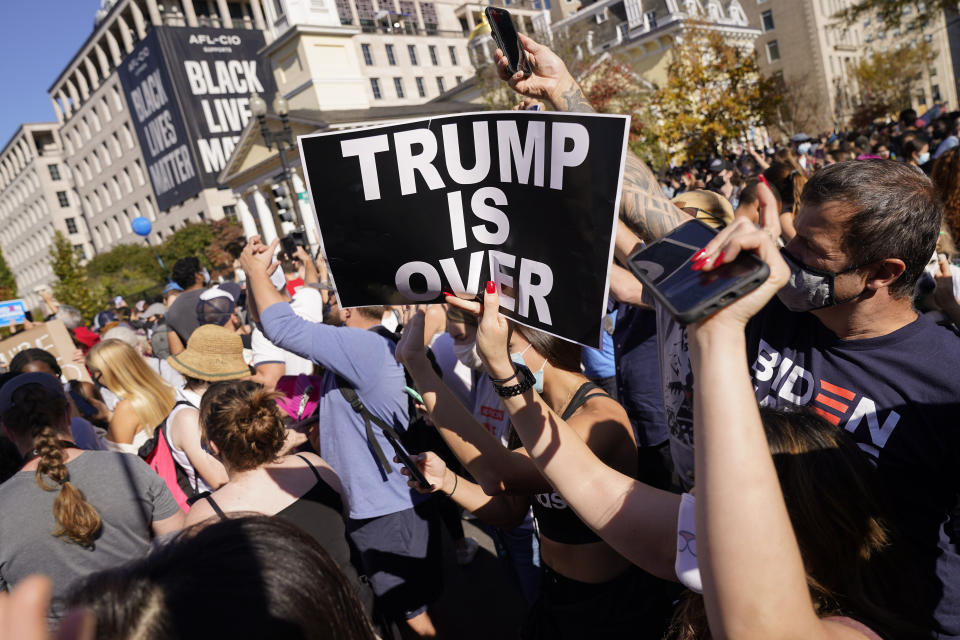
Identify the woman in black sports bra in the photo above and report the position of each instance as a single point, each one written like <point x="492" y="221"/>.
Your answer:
<point x="588" y="589"/>
<point x="244" y="429"/>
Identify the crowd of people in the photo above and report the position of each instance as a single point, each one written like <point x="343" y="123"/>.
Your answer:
<point x="247" y="458"/>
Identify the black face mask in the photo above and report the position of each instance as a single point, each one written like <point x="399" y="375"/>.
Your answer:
<point x="809" y="288"/>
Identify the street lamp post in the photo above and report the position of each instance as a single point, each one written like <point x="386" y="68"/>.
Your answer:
<point x="283" y="139"/>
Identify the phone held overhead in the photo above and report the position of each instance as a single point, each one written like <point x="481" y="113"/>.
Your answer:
<point x="505" y="35"/>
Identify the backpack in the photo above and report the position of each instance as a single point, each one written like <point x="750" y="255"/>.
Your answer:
<point x="158" y="456"/>
<point x="417" y="436"/>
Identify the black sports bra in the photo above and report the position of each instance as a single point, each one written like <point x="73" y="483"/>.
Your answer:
<point x="555" y="518"/>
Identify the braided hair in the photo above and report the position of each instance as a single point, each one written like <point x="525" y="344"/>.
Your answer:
<point x="37" y="412"/>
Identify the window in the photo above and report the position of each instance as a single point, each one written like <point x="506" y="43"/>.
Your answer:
<point x="375" y="87"/>
<point x="412" y="51"/>
<point x="440" y="84"/>
<point x="63" y="199"/>
<point x="433" y="55"/>
<point x="71" y="225"/>
<point x="229" y="211"/>
<point x="390" y="57"/>
<point x="398" y="85"/>
<point x="766" y="18"/>
<point x="453" y="55"/>
<point x="773" y="51"/>
<point x="652" y="19"/>
<point x="421" y="89"/>
<point x="54" y="171"/>
<point x="933" y="71"/>
<point x="367" y="56"/>
<point x="459" y="79"/>
<point x="935" y="90"/>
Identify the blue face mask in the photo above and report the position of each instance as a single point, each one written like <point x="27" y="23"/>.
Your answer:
<point x="538" y="376"/>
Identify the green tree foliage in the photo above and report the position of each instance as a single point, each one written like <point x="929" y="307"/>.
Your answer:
<point x="8" y="282"/>
<point x="72" y="286"/>
<point x="712" y="97"/>
<point x="887" y="80"/>
<point x="132" y="270"/>
<point x="896" y="12"/>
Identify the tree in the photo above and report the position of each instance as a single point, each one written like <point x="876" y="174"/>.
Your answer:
<point x="887" y="80"/>
<point x="796" y="111"/>
<point x="125" y="270"/>
<point x="72" y="286"/>
<point x="713" y="95"/>
<point x="892" y="12"/>
<point x="8" y="282"/>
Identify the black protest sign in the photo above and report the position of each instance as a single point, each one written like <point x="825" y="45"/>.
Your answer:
<point x="526" y="199"/>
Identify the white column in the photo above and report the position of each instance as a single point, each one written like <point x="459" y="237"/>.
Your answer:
<point x="102" y="61"/>
<point x="225" y="18"/>
<point x="138" y="21"/>
<point x="91" y="71"/>
<point x="114" y="49"/>
<point x="265" y="214"/>
<point x="246" y="219"/>
<point x="154" y="13"/>
<point x="125" y="35"/>
<point x="257" y="15"/>
<point x="190" y="14"/>
<point x="306" y="212"/>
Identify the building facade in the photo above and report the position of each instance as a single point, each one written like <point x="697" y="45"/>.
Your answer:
<point x="100" y="146"/>
<point x="815" y="55"/>
<point x="37" y="198"/>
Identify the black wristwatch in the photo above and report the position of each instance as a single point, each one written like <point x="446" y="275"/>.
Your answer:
<point x="525" y="380"/>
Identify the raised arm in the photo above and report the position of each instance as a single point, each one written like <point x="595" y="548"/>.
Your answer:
<point x="496" y="468"/>
<point x="637" y="520"/>
<point x="648" y="212"/>
<point x="754" y="581"/>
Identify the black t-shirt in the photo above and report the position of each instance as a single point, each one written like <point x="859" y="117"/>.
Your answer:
<point x="182" y="314"/>
<point x="898" y="394"/>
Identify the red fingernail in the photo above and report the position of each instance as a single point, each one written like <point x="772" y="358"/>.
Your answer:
<point x="695" y="257"/>
<point x="447" y="293"/>
<point x="491" y="286"/>
<point x="696" y="266"/>
<point x="763" y="179"/>
<point x="719" y="259"/>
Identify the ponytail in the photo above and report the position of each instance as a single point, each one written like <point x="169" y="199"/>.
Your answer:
<point x="37" y="411"/>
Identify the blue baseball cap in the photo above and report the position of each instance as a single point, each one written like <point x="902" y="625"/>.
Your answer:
<point x="45" y="380"/>
<point x="172" y="286"/>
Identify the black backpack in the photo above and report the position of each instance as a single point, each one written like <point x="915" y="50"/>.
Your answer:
<point x="417" y="435"/>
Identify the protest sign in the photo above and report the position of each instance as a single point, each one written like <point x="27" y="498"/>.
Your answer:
<point x="12" y="312"/>
<point x="526" y="199"/>
<point x="50" y="336"/>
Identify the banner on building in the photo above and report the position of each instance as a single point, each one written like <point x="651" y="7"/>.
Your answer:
<point x="12" y="312"/>
<point x="188" y="90"/>
<point x="50" y="336"/>
<point x="526" y="199"/>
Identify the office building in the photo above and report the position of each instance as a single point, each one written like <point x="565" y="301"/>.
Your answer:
<point x="100" y="139"/>
<point x="36" y="199"/>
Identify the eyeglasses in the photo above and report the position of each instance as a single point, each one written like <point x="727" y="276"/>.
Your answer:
<point x="96" y="375"/>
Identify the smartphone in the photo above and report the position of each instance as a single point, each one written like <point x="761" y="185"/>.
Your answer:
<point x="664" y="267"/>
<point x="505" y="35"/>
<point x="410" y="465"/>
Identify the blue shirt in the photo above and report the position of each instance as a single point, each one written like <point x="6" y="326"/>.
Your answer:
<point x="638" y="373"/>
<point x="365" y="359"/>
<point x="600" y="363"/>
<point x="899" y="396"/>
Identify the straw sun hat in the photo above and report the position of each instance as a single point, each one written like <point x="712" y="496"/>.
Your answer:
<point x="213" y="353"/>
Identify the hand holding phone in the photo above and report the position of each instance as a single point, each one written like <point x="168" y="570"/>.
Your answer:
<point x="689" y="295"/>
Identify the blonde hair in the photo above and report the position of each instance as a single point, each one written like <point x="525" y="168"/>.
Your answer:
<point x="126" y="374"/>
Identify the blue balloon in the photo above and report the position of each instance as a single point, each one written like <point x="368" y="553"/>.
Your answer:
<point x="141" y="226"/>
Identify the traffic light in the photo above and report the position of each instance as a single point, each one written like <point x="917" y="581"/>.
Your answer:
<point x="281" y="197"/>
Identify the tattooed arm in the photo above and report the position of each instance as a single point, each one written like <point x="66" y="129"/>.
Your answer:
<point x="643" y="207"/>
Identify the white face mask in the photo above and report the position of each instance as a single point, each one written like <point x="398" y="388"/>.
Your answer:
<point x="923" y="158"/>
<point x="467" y="354"/>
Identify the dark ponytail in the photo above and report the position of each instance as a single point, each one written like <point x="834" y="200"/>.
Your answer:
<point x="37" y="412"/>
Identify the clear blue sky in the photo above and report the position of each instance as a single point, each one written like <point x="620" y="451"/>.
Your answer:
<point x="37" y="40"/>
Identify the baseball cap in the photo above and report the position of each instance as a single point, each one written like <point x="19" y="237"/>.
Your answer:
<point x="800" y="137"/>
<point x="45" y="380"/>
<point x="719" y="164"/>
<point x="172" y="286"/>
<point x="711" y="208"/>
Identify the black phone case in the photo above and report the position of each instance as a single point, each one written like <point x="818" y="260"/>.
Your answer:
<point x="714" y="303"/>
<point x="522" y="64"/>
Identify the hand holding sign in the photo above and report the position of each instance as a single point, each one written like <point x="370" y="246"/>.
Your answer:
<point x="493" y="331"/>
